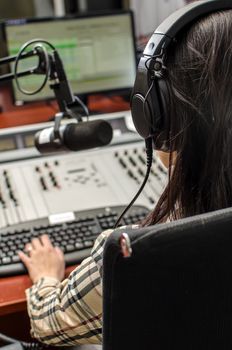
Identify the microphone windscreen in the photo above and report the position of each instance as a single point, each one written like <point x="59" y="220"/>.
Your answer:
<point x="86" y="135"/>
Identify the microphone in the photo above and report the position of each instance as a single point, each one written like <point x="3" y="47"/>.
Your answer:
<point x="74" y="137"/>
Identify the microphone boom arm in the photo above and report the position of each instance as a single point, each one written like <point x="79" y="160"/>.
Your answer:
<point x="9" y="59"/>
<point x="67" y="102"/>
<point x="60" y="138"/>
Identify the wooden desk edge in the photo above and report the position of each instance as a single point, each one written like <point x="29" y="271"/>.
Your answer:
<point x="14" y="299"/>
<point x="12" y="307"/>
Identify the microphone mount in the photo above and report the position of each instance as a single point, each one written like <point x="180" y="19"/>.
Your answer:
<point x="50" y="65"/>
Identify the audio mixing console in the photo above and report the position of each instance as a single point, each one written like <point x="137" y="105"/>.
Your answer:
<point x="58" y="194"/>
<point x="36" y="188"/>
<point x="32" y="188"/>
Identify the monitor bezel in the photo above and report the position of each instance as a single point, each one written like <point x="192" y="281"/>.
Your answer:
<point x="23" y="21"/>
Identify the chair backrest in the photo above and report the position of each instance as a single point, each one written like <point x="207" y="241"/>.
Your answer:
<point x="175" y="291"/>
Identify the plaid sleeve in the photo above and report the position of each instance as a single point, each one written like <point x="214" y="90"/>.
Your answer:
<point x="70" y="312"/>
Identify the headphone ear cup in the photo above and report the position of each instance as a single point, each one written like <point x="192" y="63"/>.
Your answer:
<point x="164" y="99"/>
<point x="161" y="141"/>
<point x="148" y="104"/>
<point x="142" y="115"/>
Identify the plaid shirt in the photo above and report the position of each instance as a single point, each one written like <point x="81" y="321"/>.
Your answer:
<point x="70" y="312"/>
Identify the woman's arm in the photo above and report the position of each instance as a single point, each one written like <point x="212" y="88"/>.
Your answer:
<point x="69" y="312"/>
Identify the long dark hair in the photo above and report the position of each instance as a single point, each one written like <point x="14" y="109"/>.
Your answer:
<point x="199" y="75"/>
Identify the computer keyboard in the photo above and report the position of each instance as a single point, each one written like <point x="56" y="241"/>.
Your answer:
<point x="75" y="237"/>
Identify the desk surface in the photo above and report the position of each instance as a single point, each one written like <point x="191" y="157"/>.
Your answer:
<point x="12" y="292"/>
<point x="38" y="113"/>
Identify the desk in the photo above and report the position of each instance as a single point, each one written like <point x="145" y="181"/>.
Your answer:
<point x="12" y="292"/>
<point x="14" y="320"/>
<point x="43" y="112"/>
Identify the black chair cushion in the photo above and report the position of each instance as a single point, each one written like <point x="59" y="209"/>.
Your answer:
<point x="175" y="291"/>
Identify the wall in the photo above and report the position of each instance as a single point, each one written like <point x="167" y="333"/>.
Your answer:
<point x="150" y="13"/>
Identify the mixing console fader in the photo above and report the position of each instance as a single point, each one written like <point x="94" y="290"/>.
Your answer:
<point x="36" y="188"/>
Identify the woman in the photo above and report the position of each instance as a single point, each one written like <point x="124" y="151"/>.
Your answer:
<point x="199" y="70"/>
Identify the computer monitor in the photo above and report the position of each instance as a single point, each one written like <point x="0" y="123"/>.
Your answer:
<point x="97" y="50"/>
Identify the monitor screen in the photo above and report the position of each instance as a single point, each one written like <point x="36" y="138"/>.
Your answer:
<point x="97" y="50"/>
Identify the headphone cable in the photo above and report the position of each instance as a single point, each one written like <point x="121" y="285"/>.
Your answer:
<point x="149" y="153"/>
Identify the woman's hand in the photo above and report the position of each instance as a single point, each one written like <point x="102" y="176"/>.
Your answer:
<point x="43" y="260"/>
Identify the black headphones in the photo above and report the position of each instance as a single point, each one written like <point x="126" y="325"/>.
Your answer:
<point x="150" y="93"/>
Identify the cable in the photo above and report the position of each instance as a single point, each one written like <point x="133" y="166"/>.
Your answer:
<point x="149" y="152"/>
<point x="84" y="107"/>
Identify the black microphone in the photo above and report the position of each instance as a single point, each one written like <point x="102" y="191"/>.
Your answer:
<point x="74" y="137"/>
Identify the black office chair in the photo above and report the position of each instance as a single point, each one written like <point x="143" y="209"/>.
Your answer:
<point x="175" y="290"/>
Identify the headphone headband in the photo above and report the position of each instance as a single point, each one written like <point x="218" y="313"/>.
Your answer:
<point x="148" y="103"/>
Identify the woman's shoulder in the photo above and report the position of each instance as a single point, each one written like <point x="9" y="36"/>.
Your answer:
<point x="98" y="248"/>
<point x="101" y="239"/>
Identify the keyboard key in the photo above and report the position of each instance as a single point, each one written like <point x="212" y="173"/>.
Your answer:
<point x="94" y="230"/>
<point x="88" y="244"/>
<point x="6" y="260"/>
<point x="79" y="245"/>
<point x="15" y="258"/>
<point x="70" y="248"/>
